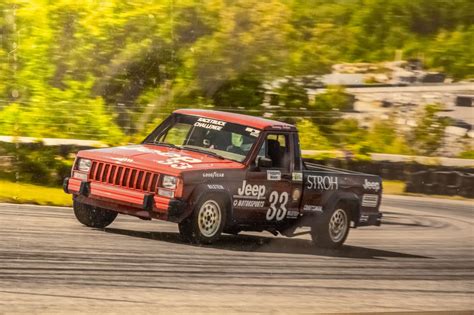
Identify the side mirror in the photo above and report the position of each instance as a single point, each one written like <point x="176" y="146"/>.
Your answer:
<point x="264" y="162"/>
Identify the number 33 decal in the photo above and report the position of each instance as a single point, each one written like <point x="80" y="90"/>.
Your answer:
<point x="280" y="212"/>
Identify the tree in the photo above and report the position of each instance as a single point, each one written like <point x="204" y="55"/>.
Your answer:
<point x="348" y="132"/>
<point x="292" y="95"/>
<point x="384" y="137"/>
<point x="453" y="51"/>
<point x="240" y="92"/>
<point x="310" y="136"/>
<point x="136" y="60"/>
<point x="249" y="41"/>
<point x="427" y="137"/>
<point x="326" y="109"/>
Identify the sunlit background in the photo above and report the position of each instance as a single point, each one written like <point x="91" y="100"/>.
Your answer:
<point x="359" y="78"/>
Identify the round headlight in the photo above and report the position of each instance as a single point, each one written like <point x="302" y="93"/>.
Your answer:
<point x="84" y="165"/>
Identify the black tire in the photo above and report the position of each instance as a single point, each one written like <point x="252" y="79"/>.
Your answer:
<point x="185" y="230"/>
<point x="332" y="228"/>
<point x="206" y="223"/>
<point x="93" y="216"/>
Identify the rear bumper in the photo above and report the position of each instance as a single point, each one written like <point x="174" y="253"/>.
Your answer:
<point x="137" y="203"/>
<point x="370" y="219"/>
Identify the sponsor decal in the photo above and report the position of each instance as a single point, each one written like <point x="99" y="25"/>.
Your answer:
<point x="215" y="186"/>
<point x="371" y="185"/>
<point x="249" y="203"/>
<point x="296" y="194"/>
<point x="209" y="124"/>
<point x="151" y="151"/>
<point x="253" y="132"/>
<point x="277" y="208"/>
<point x="249" y="191"/>
<point x="322" y="182"/>
<point x="175" y="160"/>
<point x="124" y="159"/>
<point x="297" y="176"/>
<point x="180" y="162"/>
<point x="370" y="200"/>
<point x="292" y="214"/>
<point x="213" y="175"/>
<point x="273" y="175"/>
<point x="311" y="208"/>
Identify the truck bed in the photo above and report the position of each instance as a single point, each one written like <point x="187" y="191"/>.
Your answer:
<point x="311" y="166"/>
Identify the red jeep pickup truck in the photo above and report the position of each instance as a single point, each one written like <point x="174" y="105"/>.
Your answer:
<point x="213" y="172"/>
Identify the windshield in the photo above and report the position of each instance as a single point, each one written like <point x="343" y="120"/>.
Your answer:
<point x="211" y="136"/>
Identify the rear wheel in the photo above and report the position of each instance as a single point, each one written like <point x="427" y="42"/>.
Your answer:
<point x="206" y="222"/>
<point x="93" y="216"/>
<point x="332" y="228"/>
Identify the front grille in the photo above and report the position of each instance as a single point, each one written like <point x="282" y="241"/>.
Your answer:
<point x="128" y="177"/>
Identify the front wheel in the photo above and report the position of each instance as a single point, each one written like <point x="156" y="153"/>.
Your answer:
<point x="206" y="222"/>
<point x="93" y="216"/>
<point x="332" y="229"/>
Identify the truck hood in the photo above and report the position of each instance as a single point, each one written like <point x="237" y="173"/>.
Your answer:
<point x="158" y="158"/>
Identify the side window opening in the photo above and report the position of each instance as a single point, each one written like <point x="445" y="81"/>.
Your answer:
<point x="276" y="148"/>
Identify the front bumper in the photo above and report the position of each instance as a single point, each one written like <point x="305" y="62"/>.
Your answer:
<point x="124" y="200"/>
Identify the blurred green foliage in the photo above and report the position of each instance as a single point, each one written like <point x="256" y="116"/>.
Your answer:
<point x="327" y="110"/>
<point x="292" y="96"/>
<point x="427" y="136"/>
<point x="109" y="70"/>
<point x="311" y="137"/>
<point x="468" y="154"/>
<point x="37" y="163"/>
<point x="383" y="136"/>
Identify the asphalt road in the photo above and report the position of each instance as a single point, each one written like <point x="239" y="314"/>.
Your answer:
<point x="420" y="259"/>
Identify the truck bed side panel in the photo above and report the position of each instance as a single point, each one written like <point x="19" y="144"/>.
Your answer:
<point x="320" y="187"/>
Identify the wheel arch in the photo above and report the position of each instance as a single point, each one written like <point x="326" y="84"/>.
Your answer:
<point x="350" y="199"/>
<point x="202" y="191"/>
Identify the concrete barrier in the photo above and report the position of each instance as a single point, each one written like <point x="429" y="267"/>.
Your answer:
<point x="419" y="178"/>
<point x="448" y="183"/>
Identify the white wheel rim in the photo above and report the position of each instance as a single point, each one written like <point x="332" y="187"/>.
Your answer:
<point x="338" y="225"/>
<point x="209" y="218"/>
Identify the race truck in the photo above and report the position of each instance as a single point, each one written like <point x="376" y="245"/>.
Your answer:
<point x="216" y="172"/>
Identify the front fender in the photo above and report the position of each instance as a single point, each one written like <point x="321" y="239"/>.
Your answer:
<point x="201" y="190"/>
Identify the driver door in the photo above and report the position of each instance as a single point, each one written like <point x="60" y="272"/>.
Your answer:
<point x="272" y="184"/>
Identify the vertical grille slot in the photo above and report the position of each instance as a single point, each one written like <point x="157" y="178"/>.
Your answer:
<point x="105" y="173"/>
<point x="93" y="169"/>
<point x="126" y="176"/>
<point x="133" y="179"/>
<point x="112" y="174"/>
<point x="140" y="179"/>
<point x="146" y="183"/>
<point x="154" y="181"/>
<point x="118" y="178"/>
<point x="98" y="174"/>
